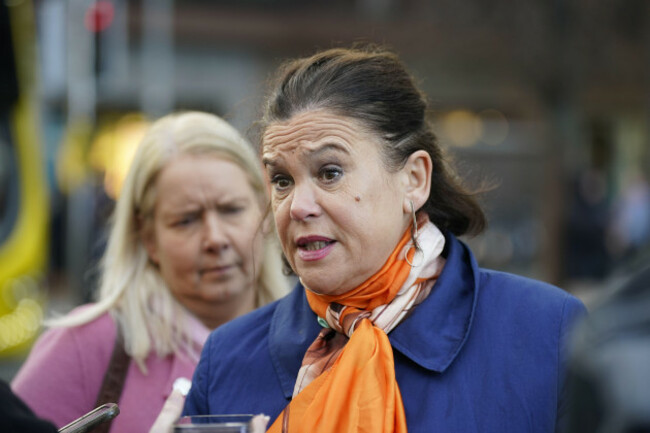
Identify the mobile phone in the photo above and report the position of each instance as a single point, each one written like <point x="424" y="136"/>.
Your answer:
<point x="92" y="419"/>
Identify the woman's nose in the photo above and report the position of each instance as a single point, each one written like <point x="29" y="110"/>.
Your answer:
<point x="214" y="235"/>
<point x="304" y="203"/>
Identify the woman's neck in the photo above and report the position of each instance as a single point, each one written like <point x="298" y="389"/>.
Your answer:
<point x="216" y="314"/>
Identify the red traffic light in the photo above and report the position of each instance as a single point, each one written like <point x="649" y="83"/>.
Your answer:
<point x="99" y="16"/>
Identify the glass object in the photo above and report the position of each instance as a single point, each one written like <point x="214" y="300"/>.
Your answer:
<point x="239" y="423"/>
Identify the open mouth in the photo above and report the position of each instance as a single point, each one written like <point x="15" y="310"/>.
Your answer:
<point x="314" y="246"/>
<point x="311" y="248"/>
<point x="308" y="244"/>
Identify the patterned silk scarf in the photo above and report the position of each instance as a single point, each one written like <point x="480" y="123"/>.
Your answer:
<point x="347" y="380"/>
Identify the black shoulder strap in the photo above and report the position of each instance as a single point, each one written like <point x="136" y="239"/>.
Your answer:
<point x="114" y="378"/>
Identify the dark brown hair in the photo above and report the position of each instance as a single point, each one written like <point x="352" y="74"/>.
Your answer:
<point x="372" y="86"/>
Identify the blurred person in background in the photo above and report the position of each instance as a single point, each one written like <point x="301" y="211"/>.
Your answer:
<point x="585" y="247"/>
<point x="393" y="326"/>
<point x="190" y="248"/>
<point x="630" y="226"/>
<point x="609" y="370"/>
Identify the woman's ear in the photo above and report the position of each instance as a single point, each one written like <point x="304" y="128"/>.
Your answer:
<point x="417" y="177"/>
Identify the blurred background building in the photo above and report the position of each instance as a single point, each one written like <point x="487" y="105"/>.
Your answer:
<point x="546" y="101"/>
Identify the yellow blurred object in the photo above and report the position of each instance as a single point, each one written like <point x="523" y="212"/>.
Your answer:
<point x="24" y="253"/>
<point x="113" y="148"/>
<point x="463" y="128"/>
<point x="71" y="165"/>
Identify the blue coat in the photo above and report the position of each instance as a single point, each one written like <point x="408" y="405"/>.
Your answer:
<point x="483" y="353"/>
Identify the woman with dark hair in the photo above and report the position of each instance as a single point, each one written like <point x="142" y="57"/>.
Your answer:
<point x="393" y="326"/>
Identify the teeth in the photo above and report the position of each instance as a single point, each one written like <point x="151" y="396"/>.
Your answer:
<point x="313" y="246"/>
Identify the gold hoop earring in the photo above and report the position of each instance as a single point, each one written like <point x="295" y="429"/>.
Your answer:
<point x="414" y="237"/>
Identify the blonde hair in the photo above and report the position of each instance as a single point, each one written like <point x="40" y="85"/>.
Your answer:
<point x="130" y="286"/>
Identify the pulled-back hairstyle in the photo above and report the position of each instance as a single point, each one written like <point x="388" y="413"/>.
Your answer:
<point x="372" y="86"/>
<point x="131" y="287"/>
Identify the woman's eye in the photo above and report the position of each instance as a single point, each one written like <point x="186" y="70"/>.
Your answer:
<point x="280" y="182"/>
<point x="330" y="173"/>
<point x="230" y="210"/>
<point x="185" y="220"/>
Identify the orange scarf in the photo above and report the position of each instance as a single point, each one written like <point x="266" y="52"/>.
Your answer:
<point x="347" y="385"/>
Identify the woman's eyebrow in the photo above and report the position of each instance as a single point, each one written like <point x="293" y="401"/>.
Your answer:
<point x="268" y="161"/>
<point x="328" y="147"/>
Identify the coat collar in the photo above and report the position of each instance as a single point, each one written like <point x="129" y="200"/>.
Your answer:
<point x="443" y="320"/>
<point x="445" y="317"/>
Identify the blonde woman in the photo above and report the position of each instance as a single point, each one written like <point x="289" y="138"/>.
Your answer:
<point x="190" y="249"/>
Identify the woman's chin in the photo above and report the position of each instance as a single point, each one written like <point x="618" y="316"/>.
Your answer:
<point x="321" y="287"/>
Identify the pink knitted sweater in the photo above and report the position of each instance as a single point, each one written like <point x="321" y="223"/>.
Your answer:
<point x="62" y="376"/>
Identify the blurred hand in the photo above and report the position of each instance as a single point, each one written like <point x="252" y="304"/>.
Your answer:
<point x="258" y="423"/>
<point x="170" y="413"/>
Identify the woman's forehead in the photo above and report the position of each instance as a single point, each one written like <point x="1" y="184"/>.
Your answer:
<point x="309" y="129"/>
